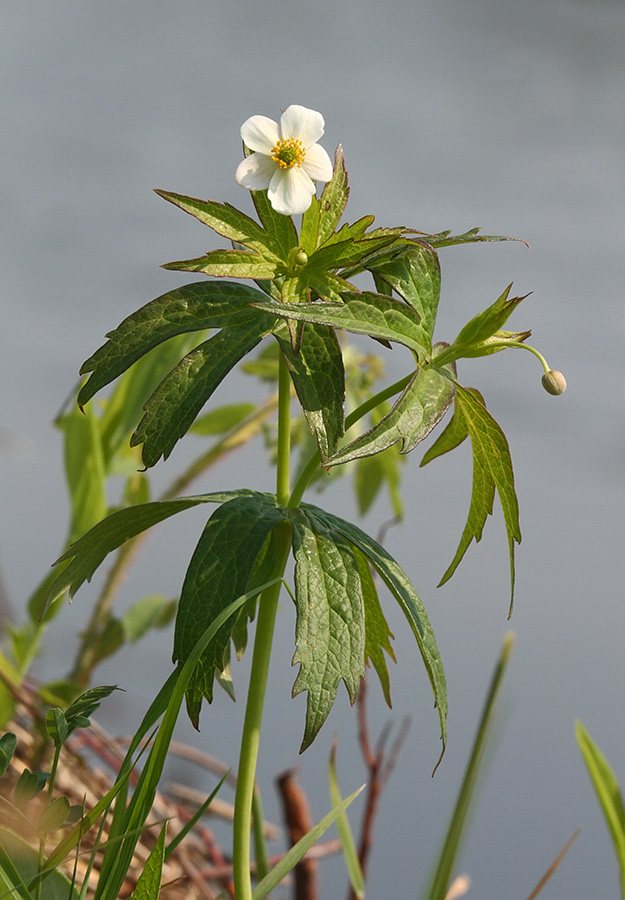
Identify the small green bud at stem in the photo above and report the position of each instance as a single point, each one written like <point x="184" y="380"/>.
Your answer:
<point x="301" y="258"/>
<point x="554" y="382"/>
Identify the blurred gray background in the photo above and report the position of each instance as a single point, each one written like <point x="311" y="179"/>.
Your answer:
<point x="452" y="113"/>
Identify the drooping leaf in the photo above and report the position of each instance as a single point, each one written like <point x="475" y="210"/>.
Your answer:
<point x="378" y="635"/>
<point x="228" y="221"/>
<point x="193" y="307"/>
<point x="376" y="315"/>
<point x="319" y="378"/>
<point x="87" y="553"/>
<point x="492" y="471"/>
<point x="455" y="433"/>
<point x="420" y="407"/>
<point x="218" y="573"/>
<point x="406" y="595"/>
<point x="174" y="406"/>
<point x="330" y="629"/>
<point x="414" y="272"/>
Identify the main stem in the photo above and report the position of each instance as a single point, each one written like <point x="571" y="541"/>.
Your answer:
<point x="267" y="609"/>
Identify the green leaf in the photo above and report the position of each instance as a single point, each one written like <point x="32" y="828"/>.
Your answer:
<point x="19" y="864"/>
<point x="473" y="236"/>
<point x="53" y="816"/>
<point x="364" y="313"/>
<point x="57" y="726"/>
<point x="482" y="327"/>
<point x="319" y="378"/>
<point x="223" y="419"/>
<point x="406" y="595"/>
<point x="28" y="785"/>
<point x="330" y="627"/>
<point x="337" y="254"/>
<point x="374" y="472"/>
<point x="378" y="635"/>
<point x="608" y="794"/>
<point x="333" y="199"/>
<point x="83" y="707"/>
<point x="149" y="881"/>
<point x="154" y="611"/>
<point x="89" y="551"/>
<point x="193" y="307"/>
<point x="279" y="228"/>
<point x="85" y="469"/>
<point x="8" y="745"/>
<point x="291" y="859"/>
<point x="218" y="573"/>
<point x="350" y="854"/>
<point x="175" y="404"/>
<point x="229" y="264"/>
<point x="492" y="471"/>
<point x="420" y="407"/>
<point x="227" y="221"/>
<point x="497" y="342"/>
<point x="454" y="434"/>
<point x="414" y="272"/>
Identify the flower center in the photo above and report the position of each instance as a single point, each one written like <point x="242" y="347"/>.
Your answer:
<point x="288" y="153"/>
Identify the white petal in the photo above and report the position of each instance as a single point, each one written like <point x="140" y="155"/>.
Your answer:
<point x="305" y="125"/>
<point x="260" y="133"/>
<point x="255" y="172"/>
<point x="317" y="163"/>
<point x="290" y="191"/>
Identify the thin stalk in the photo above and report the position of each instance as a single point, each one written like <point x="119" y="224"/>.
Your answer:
<point x="267" y="608"/>
<point x="311" y="466"/>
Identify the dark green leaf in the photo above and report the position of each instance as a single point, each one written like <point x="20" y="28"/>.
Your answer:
<point x="193" y="307"/>
<point x="309" y="230"/>
<point x="414" y="272"/>
<point x="227" y="221"/>
<point x="29" y="784"/>
<point x="421" y="406"/>
<point x="78" y="713"/>
<point x="473" y="236"/>
<point x="280" y="228"/>
<point x="218" y="573"/>
<point x="335" y="254"/>
<point x="319" y="379"/>
<point x="174" y="406"/>
<point x="326" y="285"/>
<point x="229" y="264"/>
<point x="8" y="744"/>
<point x="363" y="313"/>
<point x="378" y="635"/>
<point x="404" y="592"/>
<point x="90" y="550"/>
<point x="492" y="470"/>
<point x="330" y="629"/>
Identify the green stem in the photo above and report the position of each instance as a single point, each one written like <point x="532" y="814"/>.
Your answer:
<point x="311" y="466"/>
<point x="267" y="608"/>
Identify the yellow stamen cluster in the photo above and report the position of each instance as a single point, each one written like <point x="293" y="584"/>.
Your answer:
<point x="288" y="153"/>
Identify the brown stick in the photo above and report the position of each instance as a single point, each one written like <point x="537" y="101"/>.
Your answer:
<point x="298" y="822"/>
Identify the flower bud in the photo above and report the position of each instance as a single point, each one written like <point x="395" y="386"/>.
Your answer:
<point x="554" y="382"/>
<point x="301" y="258"/>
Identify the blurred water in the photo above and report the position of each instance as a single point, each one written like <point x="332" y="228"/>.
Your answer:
<point x="469" y="112"/>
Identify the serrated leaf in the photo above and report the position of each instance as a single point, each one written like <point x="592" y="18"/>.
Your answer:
<point x="492" y="471"/>
<point x="376" y="315"/>
<point x="193" y="307"/>
<point x="229" y="264"/>
<point x="420" y="407"/>
<point x="91" y="549"/>
<point x="337" y="254"/>
<point x="330" y="628"/>
<point x="414" y="272"/>
<point x="8" y="745"/>
<point x="228" y="221"/>
<point x="406" y="595"/>
<point x="280" y="228"/>
<point x="175" y="404"/>
<point x="497" y="342"/>
<point x="319" y="378"/>
<point x="327" y="285"/>
<point x="218" y="573"/>
<point x="378" y="635"/>
<point x="481" y="327"/>
<point x="333" y="198"/>
<point x="473" y="236"/>
<point x="454" y="434"/>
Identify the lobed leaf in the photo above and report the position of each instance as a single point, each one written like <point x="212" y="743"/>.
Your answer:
<point x="279" y="228"/>
<point x="319" y="378"/>
<point x="378" y="636"/>
<point x="414" y="272"/>
<point x="193" y="307"/>
<point x="218" y="573"/>
<point x="330" y="628"/>
<point x="229" y="264"/>
<point x="177" y="401"/>
<point x="492" y="471"/>
<point x="480" y="328"/>
<point x="333" y="199"/>
<point x="420" y="407"/>
<point x="473" y="236"/>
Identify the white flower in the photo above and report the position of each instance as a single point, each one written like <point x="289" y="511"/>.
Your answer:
<point x="285" y="158"/>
